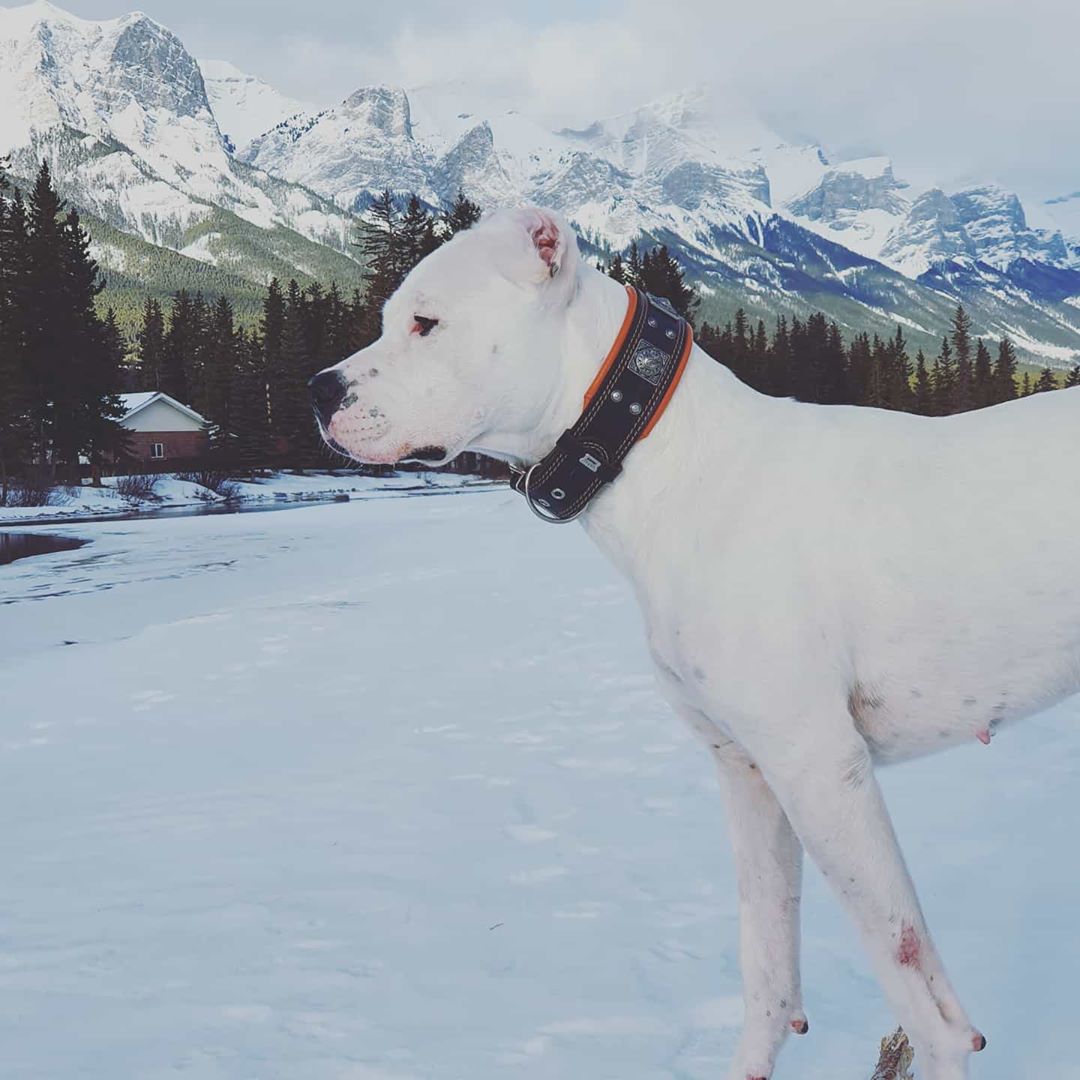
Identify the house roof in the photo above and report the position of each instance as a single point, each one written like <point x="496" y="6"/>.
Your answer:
<point x="134" y="403"/>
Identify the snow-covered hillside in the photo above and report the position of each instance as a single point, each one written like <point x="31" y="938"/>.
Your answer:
<point x="119" y="109"/>
<point x="143" y="142"/>
<point x="763" y="222"/>
<point x="386" y="791"/>
<point x="243" y="105"/>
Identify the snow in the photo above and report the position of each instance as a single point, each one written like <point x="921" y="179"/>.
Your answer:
<point x="386" y="791"/>
<point x="171" y="493"/>
<point x="244" y="105"/>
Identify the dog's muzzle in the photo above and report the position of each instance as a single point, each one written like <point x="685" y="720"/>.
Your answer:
<point x="328" y="390"/>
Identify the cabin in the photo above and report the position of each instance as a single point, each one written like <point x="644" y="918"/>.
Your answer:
<point x="162" y="429"/>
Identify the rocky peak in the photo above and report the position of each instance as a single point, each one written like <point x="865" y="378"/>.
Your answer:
<point x="384" y="108"/>
<point x="152" y="65"/>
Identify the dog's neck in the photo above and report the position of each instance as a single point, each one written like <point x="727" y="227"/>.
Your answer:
<point x="709" y="424"/>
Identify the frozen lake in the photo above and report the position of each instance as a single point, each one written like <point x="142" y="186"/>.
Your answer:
<point x="385" y="791"/>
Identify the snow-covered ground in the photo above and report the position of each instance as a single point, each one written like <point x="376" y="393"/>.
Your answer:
<point x="385" y="791"/>
<point x="172" y="493"/>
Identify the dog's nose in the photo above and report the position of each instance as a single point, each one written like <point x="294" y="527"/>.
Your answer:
<point x="327" y="391"/>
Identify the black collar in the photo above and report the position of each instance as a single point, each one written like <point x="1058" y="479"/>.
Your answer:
<point x="627" y="397"/>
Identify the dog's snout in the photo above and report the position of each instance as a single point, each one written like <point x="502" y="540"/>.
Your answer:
<point x="328" y="389"/>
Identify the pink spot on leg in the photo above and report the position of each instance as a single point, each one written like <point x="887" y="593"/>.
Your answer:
<point x="983" y="735"/>
<point x="908" y="953"/>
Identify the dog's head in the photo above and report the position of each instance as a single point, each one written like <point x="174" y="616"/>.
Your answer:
<point x="469" y="353"/>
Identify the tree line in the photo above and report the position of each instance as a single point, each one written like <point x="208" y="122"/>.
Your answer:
<point x="251" y="384"/>
<point x="61" y="364"/>
<point x="808" y="359"/>
<point x="59" y="360"/>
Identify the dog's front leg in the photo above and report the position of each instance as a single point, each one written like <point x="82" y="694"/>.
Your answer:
<point x="768" y="865"/>
<point x="824" y="778"/>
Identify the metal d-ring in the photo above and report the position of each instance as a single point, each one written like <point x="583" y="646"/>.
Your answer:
<point x="542" y="515"/>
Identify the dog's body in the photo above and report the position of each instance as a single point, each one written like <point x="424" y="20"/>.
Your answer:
<point x="824" y="588"/>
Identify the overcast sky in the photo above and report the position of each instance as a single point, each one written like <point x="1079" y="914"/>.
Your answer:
<point x="953" y="90"/>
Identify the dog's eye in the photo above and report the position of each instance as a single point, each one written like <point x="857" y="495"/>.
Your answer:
<point x="423" y="326"/>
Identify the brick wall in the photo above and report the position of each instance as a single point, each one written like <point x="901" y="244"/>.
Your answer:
<point x="178" y="444"/>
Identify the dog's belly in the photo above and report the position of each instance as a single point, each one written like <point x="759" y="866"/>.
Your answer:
<point x="903" y="718"/>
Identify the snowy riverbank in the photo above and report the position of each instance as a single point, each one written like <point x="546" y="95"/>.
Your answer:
<point x="171" y="493"/>
<point x="385" y="791"/>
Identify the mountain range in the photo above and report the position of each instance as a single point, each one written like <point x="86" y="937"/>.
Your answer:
<point x="194" y="172"/>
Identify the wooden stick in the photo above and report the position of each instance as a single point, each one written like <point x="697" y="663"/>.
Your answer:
<point x="896" y="1058"/>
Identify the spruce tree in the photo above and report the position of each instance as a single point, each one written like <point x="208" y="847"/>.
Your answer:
<point x="272" y="334"/>
<point x="248" y="415"/>
<point x="964" y="389"/>
<point x="924" y="392"/>
<point x="662" y="276"/>
<point x="181" y="343"/>
<point x="1047" y="380"/>
<point x="16" y="426"/>
<point x="1004" y="376"/>
<point x="944" y="381"/>
<point x="418" y="234"/>
<point x="1073" y="377"/>
<point x="983" y="384"/>
<point x="151" y="344"/>
<point x="218" y="349"/>
<point x="463" y="214"/>
<point x="380" y="242"/>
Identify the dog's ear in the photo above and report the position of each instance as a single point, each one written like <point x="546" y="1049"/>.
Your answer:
<point x="548" y="240"/>
<point x="551" y="241"/>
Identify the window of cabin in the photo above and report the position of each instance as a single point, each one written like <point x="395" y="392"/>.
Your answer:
<point x="157" y="450"/>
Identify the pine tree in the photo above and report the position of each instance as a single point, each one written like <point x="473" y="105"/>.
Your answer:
<point x="248" y="415"/>
<point x="662" y="276"/>
<point x="898" y="384"/>
<point x="777" y="380"/>
<point x="272" y="333"/>
<point x="944" y="381"/>
<point x="1073" y="378"/>
<point x="293" y="421"/>
<point x="16" y="427"/>
<point x="71" y="358"/>
<point x="181" y="343"/>
<point x="635" y="271"/>
<point x="1047" y="380"/>
<point x="616" y="268"/>
<point x="464" y="214"/>
<point x="924" y="392"/>
<point x="380" y="242"/>
<point x="1004" y="376"/>
<point x="218" y="348"/>
<point x="418" y="234"/>
<point x="1025" y="386"/>
<point x="964" y="391"/>
<point x="102" y="437"/>
<point x="151" y="343"/>
<point x="983" y="385"/>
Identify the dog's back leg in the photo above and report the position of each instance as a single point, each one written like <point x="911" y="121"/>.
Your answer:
<point x="826" y="783"/>
<point x="768" y="863"/>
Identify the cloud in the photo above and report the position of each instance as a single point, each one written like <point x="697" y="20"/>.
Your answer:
<point x="954" y="90"/>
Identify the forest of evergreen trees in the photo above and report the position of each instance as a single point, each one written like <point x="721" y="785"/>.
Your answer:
<point x="59" y="361"/>
<point x="62" y="364"/>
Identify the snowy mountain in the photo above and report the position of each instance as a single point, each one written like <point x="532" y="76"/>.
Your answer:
<point x="152" y="144"/>
<point x="243" y="105"/>
<point x="120" y="111"/>
<point x="764" y="223"/>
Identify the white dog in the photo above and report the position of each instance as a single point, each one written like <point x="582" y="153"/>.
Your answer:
<point x="824" y="588"/>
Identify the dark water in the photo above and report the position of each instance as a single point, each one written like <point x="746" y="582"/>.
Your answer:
<point x="15" y="545"/>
